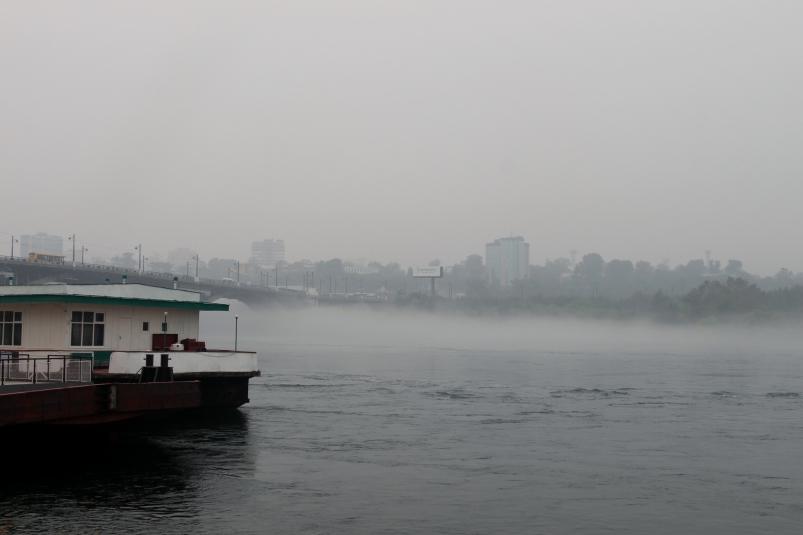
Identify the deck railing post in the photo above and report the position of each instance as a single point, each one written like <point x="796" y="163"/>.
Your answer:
<point x="34" y="370"/>
<point x="64" y="369"/>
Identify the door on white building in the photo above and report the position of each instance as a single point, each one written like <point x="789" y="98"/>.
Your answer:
<point x="124" y="334"/>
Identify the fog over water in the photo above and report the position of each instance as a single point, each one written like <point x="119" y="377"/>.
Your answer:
<point x="368" y="423"/>
<point x="405" y="329"/>
<point x="404" y="132"/>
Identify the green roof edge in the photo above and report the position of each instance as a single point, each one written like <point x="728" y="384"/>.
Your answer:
<point x="121" y="301"/>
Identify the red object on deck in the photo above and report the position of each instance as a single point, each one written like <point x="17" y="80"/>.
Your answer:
<point x="191" y="344"/>
<point x="159" y="341"/>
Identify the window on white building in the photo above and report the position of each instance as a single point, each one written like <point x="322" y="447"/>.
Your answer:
<point x="87" y="328"/>
<point x="11" y="328"/>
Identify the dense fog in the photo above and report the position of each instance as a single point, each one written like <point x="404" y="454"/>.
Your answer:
<point x="405" y="329"/>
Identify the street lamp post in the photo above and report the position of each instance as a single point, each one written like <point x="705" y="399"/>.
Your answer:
<point x="164" y="334"/>
<point x="139" y="262"/>
<point x="12" y="246"/>
<point x="72" y="238"/>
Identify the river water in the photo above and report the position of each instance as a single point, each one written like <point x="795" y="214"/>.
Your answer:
<point x="513" y="429"/>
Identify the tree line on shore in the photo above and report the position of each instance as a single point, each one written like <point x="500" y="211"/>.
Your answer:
<point x="592" y="287"/>
<point x="713" y="301"/>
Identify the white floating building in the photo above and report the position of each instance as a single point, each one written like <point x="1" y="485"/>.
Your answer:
<point x="123" y="327"/>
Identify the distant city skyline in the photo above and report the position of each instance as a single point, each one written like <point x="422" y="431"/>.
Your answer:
<point x="408" y="131"/>
<point x="179" y="256"/>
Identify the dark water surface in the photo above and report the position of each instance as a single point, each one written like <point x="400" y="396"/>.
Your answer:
<point x="373" y="439"/>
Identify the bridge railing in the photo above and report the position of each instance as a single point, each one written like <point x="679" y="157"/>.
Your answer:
<point x="155" y="274"/>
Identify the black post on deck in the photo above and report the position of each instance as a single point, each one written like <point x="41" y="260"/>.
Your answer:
<point x="164" y="374"/>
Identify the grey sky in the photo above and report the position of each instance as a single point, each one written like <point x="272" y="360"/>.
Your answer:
<point x="407" y="131"/>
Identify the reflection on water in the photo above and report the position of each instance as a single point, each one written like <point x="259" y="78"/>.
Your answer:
<point x="62" y="481"/>
<point x="358" y="439"/>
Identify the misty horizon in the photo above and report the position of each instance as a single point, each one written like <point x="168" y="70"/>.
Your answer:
<point x="438" y="267"/>
<point x="408" y="132"/>
<point x="112" y="255"/>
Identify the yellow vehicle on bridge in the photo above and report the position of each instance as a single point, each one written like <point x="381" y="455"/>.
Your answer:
<point x="46" y="258"/>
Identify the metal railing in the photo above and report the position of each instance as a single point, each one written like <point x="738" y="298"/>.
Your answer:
<point x="68" y="264"/>
<point x="16" y="368"/>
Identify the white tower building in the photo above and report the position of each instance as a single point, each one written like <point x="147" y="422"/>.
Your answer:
<point x="507" y="260"/>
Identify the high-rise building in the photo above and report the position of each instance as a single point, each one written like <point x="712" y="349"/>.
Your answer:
<point x="267" y="252"/>
<point x="507" y="260"/>
<point x="41" y="243"/>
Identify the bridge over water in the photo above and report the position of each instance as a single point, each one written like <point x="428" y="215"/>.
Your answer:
<point x="25" y="272"/>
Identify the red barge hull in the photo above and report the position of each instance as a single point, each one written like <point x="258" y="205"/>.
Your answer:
<point x="97" y="404"/>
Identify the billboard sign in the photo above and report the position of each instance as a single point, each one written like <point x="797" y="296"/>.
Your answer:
<point x="428" y="272"/>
